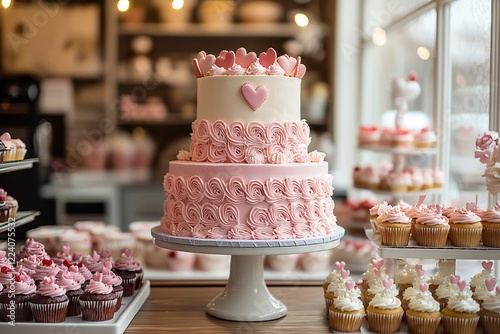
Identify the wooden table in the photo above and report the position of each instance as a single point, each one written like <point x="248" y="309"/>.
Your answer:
<point x="179" y="307"/>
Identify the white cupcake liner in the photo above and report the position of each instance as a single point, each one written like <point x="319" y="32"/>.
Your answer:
<point x="345" y="322"/>
<point x="384" y="323"/>
<point x="21" y="309"/>
<point x="460" y="325"/>
<point x="394" y="236"/>
<point x="418" y="325"/>
<point x="465" y="237"/>
<point x="74" y="306"/>
<point x="328" y="303"/>
<point x="49" y="313"/>
<point x="432" y="237"/>
<point x="491" y="325"/>
<point x="98" y="310"/>
<point x="119" y="296"/>
<point x="491" y="237"/>
<point x="128" y="286"/>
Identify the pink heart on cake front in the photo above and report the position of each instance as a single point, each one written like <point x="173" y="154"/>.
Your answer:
<point x="487" y="265"/>
<point x="287" y="64"/>
<point x="301" y="71"/>
<point x="339" y="265"/>
<point x="461" y="285"/>
<point x="377" y="263"/>
<point x="254" y="97"/>
<point x="225" y="59"/>
<point x="206" y="63"/>
<point x="344" y="273"/>
<point x="268" y="58"/>
<point x="196" y="68"/>
<point x="388" y="283"/>
<point x="350" y="285"/>
<point x="423" y="287"/>
<point x="454" y="279"/>
<point x="490" y="283"/>
<point x="245" y="59"/>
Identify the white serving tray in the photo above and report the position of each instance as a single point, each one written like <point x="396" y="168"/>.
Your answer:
<point x="130" y="306"/>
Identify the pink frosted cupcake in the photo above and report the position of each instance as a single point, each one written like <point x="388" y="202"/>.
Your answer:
<point x="394" y="227"/>
<point x="399" y="181"/>
<point x="490" y="219"/>
<point x="62" y="255"/>
<point x="93" y="262"/>
<point x="73" y="291"/>
<point x="375" y="212"/>
<point x="368" y="135"/>
<point x="98" y="302"/>
<point x="180" y="261"/>
<point x="75" y="273"/>
<point x="387" y="137"/>
<point x="109" y="277"/>
<point x="45" y="269"/>
<point x="32" y="247"/>
<point x="25" y="290"/>
<point x="403" y="138"/>
<point x="29" y="264"/>
<point x="431" y="228"/>
<point x="50" y="303"/>
<point x="465" y="228"/>
<point x="425" y="138"/>
<point x="127" y="269"/>
<point x="4" y="261"/>
<point x="86" y="273"/>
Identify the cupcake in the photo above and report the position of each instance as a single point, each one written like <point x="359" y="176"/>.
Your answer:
<point x="375" y="285"/>
<point x="333" y="275"/>
<point x="447" y="289"/>
<point x="110" y="278"/>
<point x="431" y="228"/>
<point x="384" y="312"/>
<point x="490" y="219"/>
<point x="371" y="178"/>
<point x="20" y="148"/>
<point x="32" y="247"/>
<point x="428" y="179"/>
<point x="410" y="292"/>
<point x="98" y="302"/>
<point x="368" y="276"/>
<point x="8" y="148"/>
<point x="368" y="135"/>
<point x="50" y="303"/>
<point x="62" y="255"/>
<point x="405" y="277"/>
<point x="347" y="312"/>
<point x="394" y="227"/>
<point x="24" y="290"/>
<point x="66" y="280"/>
<point x="387" y="137"/>
<point x="423" y="315"/>
<point x="399" y="181"/>
<point x="4" y="261"/>
<point x="127" y="269"/>
<point x="85" y="272"/>
<point x="29" y="264"/>
<point x="484" y="291"/>
<point x="403" y="138"/>
<point x="13" y="204"/>
<point x="438" y="176"/>
<point x="425" y="138"/>
<point x="490" y="313"/>
<point x="335" y="287"/>
<point x="93" y="262"/>
<point x="461" y="313"/>
<point x="4" y="207"/>
<point x="417" y="179"/>
<point x="75" y="273"/>
<point x="479" y="278"/>
<point x="184" y="261"/>
<point x="375" y="212"/>
<point x="413" y="211"/>
<point x="465" y="228"/>
<point x="45" y="268"/>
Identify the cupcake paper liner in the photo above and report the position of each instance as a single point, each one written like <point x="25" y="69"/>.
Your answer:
<point x="491" y="325"/>
<point x="418" y="325"/>
<point x="384" y="323"/>
<point x="119" y="295"/>
<point x="138" y="279"/>
<point x="432" y="237"/>
<point x="22" y="312"/>
<point x="128" y="286"/>
<point x="98" y="310"/>
<point x="49" y="313"/>
<point x="465" y="237"/>
<point x="74" y="306"/>
<point x="394" y="236"/>
<point x="328" y="303"/>
<point x="491" y="237"/>
<point x="460" y="325"/>
<point x="345" y="322"/>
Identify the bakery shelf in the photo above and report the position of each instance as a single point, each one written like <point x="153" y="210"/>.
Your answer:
<point x="399" y="150"/>
<point x="433" y="191"/>
<point x="22" y="218"/>
<point x="6" y="167"/>
<point x="420" y="252"/>
<point x="130" y="306"/>
<point x="282" y="30"/>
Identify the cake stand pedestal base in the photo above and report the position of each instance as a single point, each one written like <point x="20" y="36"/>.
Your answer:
<point x="246" y="297"/>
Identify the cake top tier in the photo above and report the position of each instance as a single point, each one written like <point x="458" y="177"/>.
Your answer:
<point x="242" y="62"/>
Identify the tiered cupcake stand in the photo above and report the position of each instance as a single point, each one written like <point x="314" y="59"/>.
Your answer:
<point x="246" y="297"/>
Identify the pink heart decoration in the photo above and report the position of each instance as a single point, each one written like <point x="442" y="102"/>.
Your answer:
<point x="6" y="137"/>
<point x="245" y="59"/>
<point x="454" y="279"/>
<point x="461" y="285"/>
<point x="196" y="68"/>
<point x="287" y="64"/>
<point x="487" y="265"/>
<point x="301" y="71"/>
<point x="420" y="271"/>
<point x="127" y="252"/>
<point x="377" y="272"/>
<point x="344" y="273"/>
<point x="107" y="264"/>
<point x="377" y="263"/>
<point x="388" y="283"/>
<point x="206" y="63"/>
<point x="339" y="265"/>
<point x="490" y="283"/>
<point x="225" y="59"/>
<point x="423" y="287"/>
<point x="201" y="55"/>
<point x="268" y="58"/>
<point x="254" y="96"/>
<point x="350" y="285"/>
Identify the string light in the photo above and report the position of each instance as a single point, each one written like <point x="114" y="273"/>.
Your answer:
<point x="177" y="4"/>
<point x="301" y="19"/>
<point x="123" y="5"/>
<point x="6" y="3"/>
<point x="379" y="36"/>
<point x="423" y="53"/>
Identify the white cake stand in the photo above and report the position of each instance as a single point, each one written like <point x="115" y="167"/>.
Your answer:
<point x="246" y="297"/>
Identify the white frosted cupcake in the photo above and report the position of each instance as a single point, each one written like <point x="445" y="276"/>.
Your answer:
<point x="384" y="311"/>
<point x="479" y="278"/>
<point x="490" y="313"/>
<point x="335" y="287"/>
<point x="347" y="312"/>
<point x="447" y="289"/>
<point x="461" y="313"/>
<point x="423" y="315"/>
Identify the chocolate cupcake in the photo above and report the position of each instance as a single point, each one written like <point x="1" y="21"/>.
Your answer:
<point x="73" y="292"/>
<point x="128" y="270"/>
<point x="98" y="301"/>
<point x="24" y="290"/>
<point x="45" y="269"/>
<point x="93" y="262"/>
<point x="109" y="277"/>
<point x="50" y="304"/>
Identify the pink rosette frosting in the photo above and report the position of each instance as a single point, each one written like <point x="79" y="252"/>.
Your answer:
<point x="235" y="70"/>
<point x="258" y="217"/>
<point x="236" y="153"/>
<point x="274" y="190"/>
<point x="275" y="69"/>
<point x="256" y="69"/>
<point x="179" y="190"/>
<point x="236" y="190"/>
<point x="217" y="233"/>
<point x="168" y="183"/>
<point x="200" y="231"/>
<point x="229" y="215"/>
<point x="293" y="189"/>
<point x="395" y="215"/>
<point x="240" y="232"/>
<point x="199" y="151"/>
<point x="298" y="213"/>
<point x="62" y="255"/>
<point x="183" y="229"/>
<point x="309" y="189"/>
<point x="49" y="288"/>
<point x="302" y="230"/>
<point x="284" y="232"/>
<point x="209" y="215"/>
<point x="217" y="131"/>
<point x="236" y="133"/>
<point x="313" y="212"/>
<point x="195" y="188"/>
<point x="492" y="215"/>
<point x="201" y="131"/>
<point x="217" y="153"/>
<point x="215" y="190"/>
<point x="263" y="233"/>
<point x="255" y="192"/>
<point x="67" y="281"/>
<point x="277" y="134"/>
<point x="378" y="208"/>
<point x="75" y="273"/>
<point x="86" y="273"/>
<point x="23" y="284"/>
<point x="109" y="277"/>
<point x="32" y="247"/>
<point x="192" y="214"/>
<point x="463" y="216"/>
<point x="177" y="210"/>
<point x="30" y="263"/>
<point x="126" y="262"/>
<point x="4" y="261"/>
<point x="431" y="217"/>
<point x="279" y="215"/>
<point x="93" y="262"/>
<point x="97" y="287"/>
<point x="256" y="135"/>
<point x="45" y="268"/>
